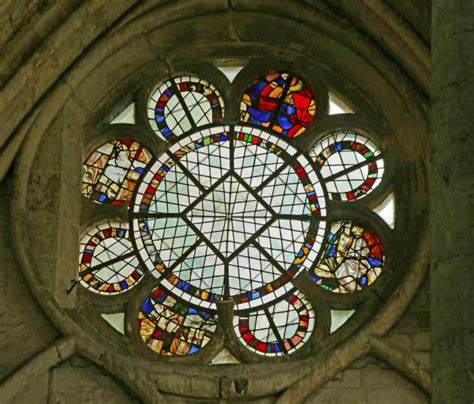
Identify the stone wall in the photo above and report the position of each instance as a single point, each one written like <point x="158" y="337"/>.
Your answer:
<point x="372" y="383"/>
<point x="24" y="329"/>
<point x="16" y="15"/>
<point x="370" y="380"/>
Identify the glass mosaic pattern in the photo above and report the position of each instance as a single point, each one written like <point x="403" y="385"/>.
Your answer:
<point x="280" y="101"/>
<point x="108" y="263"/>
<point x="351" y="165"/>
<point x="172" y="328"/>
<point x="111" y="171"/>
<point x="232" y="225"/>
<point x="278" y="329"/>
<point x="353" y="259"/>
<point x="182" y="103"/>
<point x="231" y="213"/>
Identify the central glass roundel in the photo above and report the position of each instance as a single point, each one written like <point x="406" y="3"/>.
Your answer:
<point x="230" y="212"/>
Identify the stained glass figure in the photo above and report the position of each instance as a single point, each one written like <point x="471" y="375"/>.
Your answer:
<point x="182" y="103"/>
<point x="215" y="221"/>
<point x="111" y="171"/>
<point x="172" y="328"/>
<point x="108" y="263"/>
<point x="351" y="165"/>
<point x="279" y="101"/>
<point x="277" y="329"/>
<point x="353" y="259"/>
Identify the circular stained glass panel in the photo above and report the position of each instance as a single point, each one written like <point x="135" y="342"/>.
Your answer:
<point x="111" y="171"/>
<point x="351" y="165"/>
<point x="172" y="328"/>
<point x="229" y="212"/>
<point x="281" y="102"/>
<point x="179" y="104"/>
<point x="353" y="259"/>
<point x="108" y="263"/>
<point x="279" y="329"/>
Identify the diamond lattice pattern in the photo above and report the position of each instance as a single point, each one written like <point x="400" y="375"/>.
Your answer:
<point x="229" y="215"/>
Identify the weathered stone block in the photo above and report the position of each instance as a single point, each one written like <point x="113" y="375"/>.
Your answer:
<point x="85" y="385"/>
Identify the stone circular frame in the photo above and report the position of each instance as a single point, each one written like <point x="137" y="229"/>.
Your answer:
<point x="114" y="352"/>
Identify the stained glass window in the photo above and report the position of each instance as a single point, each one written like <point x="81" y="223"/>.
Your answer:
<point x="280" y="101"/>
<point x="278" y="329"/>
<point x="173" y="328"/>
<point x="353" y="259"/>
<point x="222" y="232"/>
<point x="111" y="171"/>
<point x="108" y="262"/>
<point x="230" y="220"/>
<point x="179" y="104"/>
<point x="351" y="165"/>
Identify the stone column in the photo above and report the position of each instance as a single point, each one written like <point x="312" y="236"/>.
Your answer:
<point x="452" y="206"/>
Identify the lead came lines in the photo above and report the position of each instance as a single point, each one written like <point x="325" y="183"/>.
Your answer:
<point x="231" y="211"/>
<point x="229" y="215"/>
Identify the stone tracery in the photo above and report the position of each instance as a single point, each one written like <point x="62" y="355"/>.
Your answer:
<point x="235" y="212"/>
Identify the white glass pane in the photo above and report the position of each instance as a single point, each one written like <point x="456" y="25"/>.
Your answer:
<point x="116" y="320"/>
<point x="224" y="357"/>
<point x="386" y="210"/>
<point x="339" y="318"/>
<point x="337" y="106"/>
<point x="126" y="116"/>
<point x="230" y="71"/>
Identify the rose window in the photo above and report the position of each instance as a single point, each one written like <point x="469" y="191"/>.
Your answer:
<point x="240" y="234"/>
